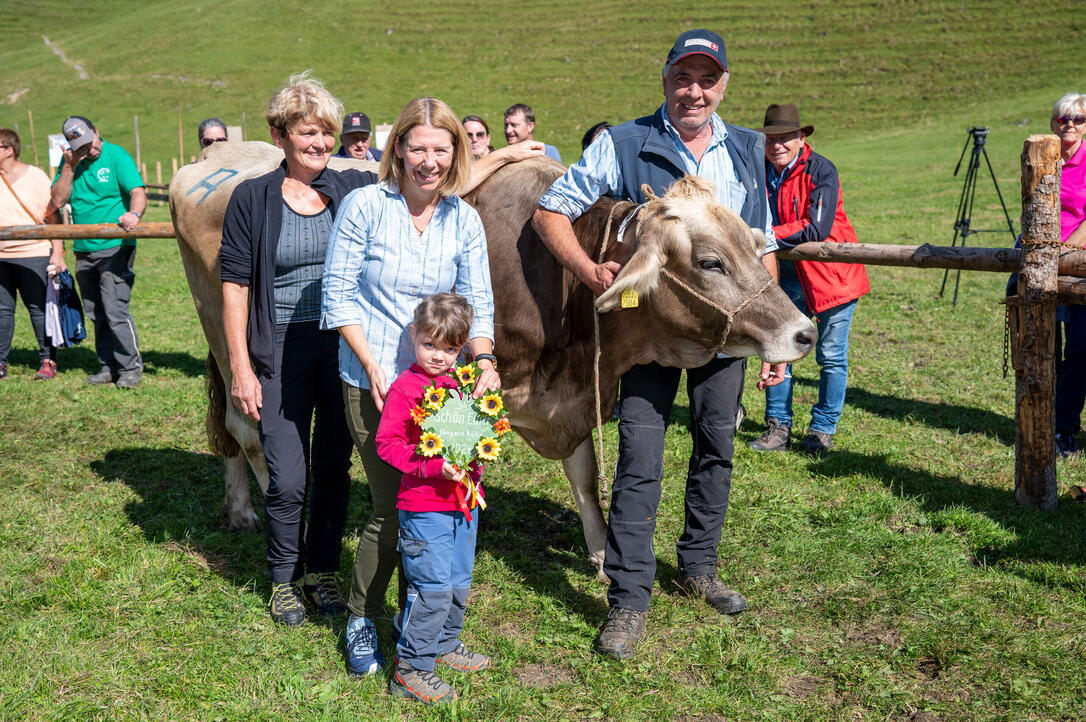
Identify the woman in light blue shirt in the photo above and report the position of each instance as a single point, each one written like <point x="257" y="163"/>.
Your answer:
<point x="393" y="244"/>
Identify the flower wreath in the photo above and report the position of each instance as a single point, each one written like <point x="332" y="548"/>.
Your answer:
<point x="487" y="416"/>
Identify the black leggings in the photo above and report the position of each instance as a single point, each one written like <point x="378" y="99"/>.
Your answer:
<point x="27" y="278"/>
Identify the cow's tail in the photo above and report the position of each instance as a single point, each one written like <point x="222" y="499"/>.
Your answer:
<point x="218" y="438"/>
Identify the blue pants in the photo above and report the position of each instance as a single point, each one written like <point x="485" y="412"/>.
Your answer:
<point x="1071" y="373"/>
<point x="831" y="353"/>
<point x="438" y="550"/>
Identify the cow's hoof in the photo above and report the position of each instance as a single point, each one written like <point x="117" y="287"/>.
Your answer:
<point x="598" y="563"/>
<point x="244" y="523"/>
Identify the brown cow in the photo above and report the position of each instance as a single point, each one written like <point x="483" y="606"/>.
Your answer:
<point x="199" y="194"/>
<point x="545" y="341"/>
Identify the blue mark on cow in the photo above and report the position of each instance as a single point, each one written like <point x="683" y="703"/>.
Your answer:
<point x="226" y="173"/>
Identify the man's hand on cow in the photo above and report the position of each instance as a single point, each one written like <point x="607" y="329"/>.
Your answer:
<point x="602" y="276"/>
<point x="488" y="379"/>
<point x="245" y="390"/>
<point x="771" y="375"/>
<point x="526" y="149"/>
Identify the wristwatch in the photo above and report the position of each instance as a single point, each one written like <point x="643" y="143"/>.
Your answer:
<point x="137" y="214"/>
<point x="487" y="357"/>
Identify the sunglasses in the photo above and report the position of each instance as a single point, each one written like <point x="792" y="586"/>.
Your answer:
<point x="1076" y="119"/>
<point x="206" y="142"/>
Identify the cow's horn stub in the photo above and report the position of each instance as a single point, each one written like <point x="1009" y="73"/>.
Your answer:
<point x="647" y="190"/>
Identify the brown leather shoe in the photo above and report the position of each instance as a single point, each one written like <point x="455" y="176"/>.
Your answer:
<point x="713" y="591"/>
<point x="621" y="632"/>
<point x="777" y="437"/>
<point x="816" y="443"/>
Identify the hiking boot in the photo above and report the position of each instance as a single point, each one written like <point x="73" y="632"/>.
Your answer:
<point x="128" y="379"/>
<point x="777" y="437"/>
<point x="713" y="591"/>
<point x="620" y="633"/>
<point x="464" y="659"/>
<point x="363" y="655"/>
<point x="3" y="371"/>
<point x="48" y="370"/>
<point x="425" y="687"/>
<point x="1065" y="444"/>
<point x="816" y="443"/>
<point x="323" y="592"/>
<point x="286" y="604"/>
<point x="105" y="376"/>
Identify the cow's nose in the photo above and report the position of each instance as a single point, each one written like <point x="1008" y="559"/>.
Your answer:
<point x="804" y="339"/>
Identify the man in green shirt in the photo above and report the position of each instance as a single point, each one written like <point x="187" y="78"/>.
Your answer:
<point x="103" y="185"/>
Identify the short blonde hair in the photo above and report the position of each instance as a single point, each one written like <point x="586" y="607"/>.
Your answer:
<point x="1069" y="104"/>
<point x="436" y="114"/>
<point x="303" y="97"/>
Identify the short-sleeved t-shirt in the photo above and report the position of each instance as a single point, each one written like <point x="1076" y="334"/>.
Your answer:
<point x="100" y="193"/>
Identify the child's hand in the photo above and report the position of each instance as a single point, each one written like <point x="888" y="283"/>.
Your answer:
<point x="451" y="473"/>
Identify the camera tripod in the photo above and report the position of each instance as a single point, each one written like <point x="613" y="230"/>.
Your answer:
<point x="962" y="223"/>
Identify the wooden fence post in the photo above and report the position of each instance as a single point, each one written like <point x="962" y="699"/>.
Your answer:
<point x="1034" y="373"/>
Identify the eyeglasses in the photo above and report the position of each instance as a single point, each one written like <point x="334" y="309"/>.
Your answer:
<point x="481" y="134"/>
<point x="1076" y="119"/>
<point x="206" y="142"/>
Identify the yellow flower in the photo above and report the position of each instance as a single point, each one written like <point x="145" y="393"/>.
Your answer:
<point x="491" y="404"/>
<point x="434" y="398"/>
<point x="488" y="449"/>
<point x="418" y="414"/>
<point x="430" y="444"/>
<point x="466" y="375"/>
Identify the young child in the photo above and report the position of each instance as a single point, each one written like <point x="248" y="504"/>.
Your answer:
<point x="437" y="533"/>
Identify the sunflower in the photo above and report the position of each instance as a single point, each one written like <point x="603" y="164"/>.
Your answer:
<point x="434" y="398"/>
<point x="488" y="449"/>
<point x="430" y="444"/>
<point x="502" y="427"/>
<point x="466" y="375"/>
<point x="418" y="414"/>
<point x="491" y="404"/>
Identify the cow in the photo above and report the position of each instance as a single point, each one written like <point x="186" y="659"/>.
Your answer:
<point x="199" y="194"/>
<point x="692" y="264"/>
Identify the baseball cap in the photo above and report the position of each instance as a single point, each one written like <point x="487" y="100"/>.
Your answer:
<point x="698" y="42"/>
<point x="356" y="123"/>
<point x="78" y="131"/>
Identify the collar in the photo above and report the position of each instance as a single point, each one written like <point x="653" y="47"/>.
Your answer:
<point x="720" y="132"/>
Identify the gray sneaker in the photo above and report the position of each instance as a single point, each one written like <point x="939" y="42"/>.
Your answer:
<point x="777" y="437"/>
<point x="105" y="376"/>
<point x="816" y="443"/>
<point x="621" y="632"/>
<point x="465" y="660"/>
<point x="425" y="687"/>
<point x="713" y="591"/>
<point x="128" y="379"/>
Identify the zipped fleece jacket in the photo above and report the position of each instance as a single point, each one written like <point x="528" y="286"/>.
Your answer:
<point x="810" y="208"/>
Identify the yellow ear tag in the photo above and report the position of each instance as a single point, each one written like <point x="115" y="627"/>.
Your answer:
<point x="629" y="298"/>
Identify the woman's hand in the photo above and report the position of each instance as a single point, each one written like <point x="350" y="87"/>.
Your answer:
<point x="451" y="473"/>
<point x="522" y="151"/>
<point x="56" y="260"/>
<point x="488" y="379"/>
<point x="246" y="393"/>
<point x="378" y="386"/>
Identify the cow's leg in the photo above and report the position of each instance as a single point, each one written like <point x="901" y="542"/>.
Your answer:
<point x="581" y="470"/>
<point x="238" y="505"/>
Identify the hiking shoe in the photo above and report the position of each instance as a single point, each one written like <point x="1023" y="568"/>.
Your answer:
<point x="48" y="370"/>
<point x="363" y="655"/>
<point x="286" y="604"/>
<point x="620" y="633"/>
<point x="777" y="437"/>
<point x="425" y="687"/>
<point x="464" y="659"/>
<point x="713" y="591"/>
<point x="128" y="379"/>
<point x="1065" y="444"/>
<point x="323" y="592"/>
<point x="105" y="376"/>
<point x="3" y="371"/>
<point x="816" y="443"/>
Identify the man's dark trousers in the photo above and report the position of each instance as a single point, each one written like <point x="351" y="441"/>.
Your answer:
<point x="647" y="394"/>
<point x="105" y="281"/>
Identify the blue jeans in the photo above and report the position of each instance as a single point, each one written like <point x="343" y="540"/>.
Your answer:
<point x="831" y="353"/>
<point x="438" y="550"/>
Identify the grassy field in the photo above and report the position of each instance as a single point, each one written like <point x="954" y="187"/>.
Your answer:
<point x="893" y="579"/>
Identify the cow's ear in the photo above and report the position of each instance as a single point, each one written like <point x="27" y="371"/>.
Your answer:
<point x="641" y="273"/>
<point x="757" y="237"/>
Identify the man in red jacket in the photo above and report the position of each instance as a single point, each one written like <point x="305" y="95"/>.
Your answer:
<point x="805" y="199"/>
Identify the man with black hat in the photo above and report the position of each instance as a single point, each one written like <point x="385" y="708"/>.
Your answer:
<point x="355" y="138"/>
<point x="683" y="137"/>
<point x="807" y="204"/>
<point x="101" y="182"/>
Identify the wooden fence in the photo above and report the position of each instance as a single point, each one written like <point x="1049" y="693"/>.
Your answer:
<point x="1048" y="274"/>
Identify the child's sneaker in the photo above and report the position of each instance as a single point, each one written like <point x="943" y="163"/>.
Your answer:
<point x="465" y="660"/>
<point x="363" y="655"/>
<point x="425" y="687"/>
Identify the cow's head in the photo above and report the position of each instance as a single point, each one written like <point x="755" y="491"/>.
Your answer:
<point x="717" y="257"/>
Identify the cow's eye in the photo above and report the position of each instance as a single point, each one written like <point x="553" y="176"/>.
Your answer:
<point x="711" y="264"/>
